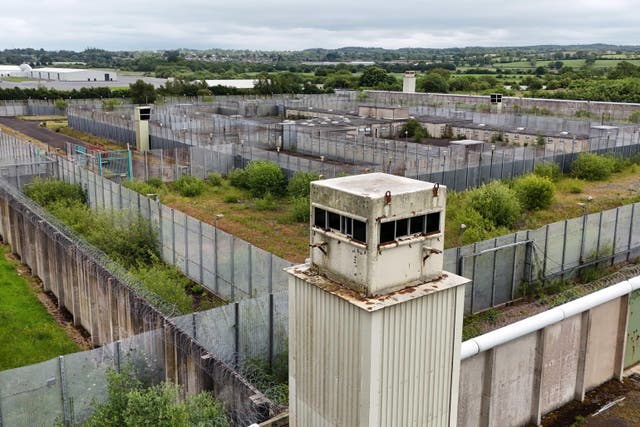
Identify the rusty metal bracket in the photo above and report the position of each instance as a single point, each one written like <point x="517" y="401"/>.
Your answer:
<point x="322" y="246"/>
<point x="429" y="252"/>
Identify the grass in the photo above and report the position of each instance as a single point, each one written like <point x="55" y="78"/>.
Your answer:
<point x="15" y="79"/>
<point x="28" y="333"/>
<point x="271" y="230"/>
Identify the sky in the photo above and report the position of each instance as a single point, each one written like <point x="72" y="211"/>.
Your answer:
<point x="296" y="25"/>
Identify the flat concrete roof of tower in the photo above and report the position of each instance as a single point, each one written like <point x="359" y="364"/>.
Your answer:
<point x="375" y="185"/>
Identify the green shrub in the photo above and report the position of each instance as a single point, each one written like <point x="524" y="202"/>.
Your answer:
<point x="300" y="209"/>
<point x="265" y="177"/>
<point x="266" y="203"/>
<point x="215" y="179"/>
<point x="143" y="187"/>
<point x="48" y="191"/>
<point x="549" y="170"/>
<point x="238" y="178"/>
<point x="497" y="203"/>
<point x="166" y="282"/>
<point x="231" y="198"/>
<point x="534" y="192"/>
<point x="155" y="182"/>
<point x="126" y="238"/>
<point x="189" y="186"/>
<point x="134" y="403"/>
<point x="593" y="167"/>
<point x="300" y="183"/>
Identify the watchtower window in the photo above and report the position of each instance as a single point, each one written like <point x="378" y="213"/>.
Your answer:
<point x="350" y="227"/>
<point x="391" y="231"/>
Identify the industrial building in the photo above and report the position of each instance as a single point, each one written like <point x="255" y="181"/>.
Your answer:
<point x="72" y="75"/>
<point x="60" y="74"/>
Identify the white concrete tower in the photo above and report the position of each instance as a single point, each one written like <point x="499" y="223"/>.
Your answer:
<point x="409" y="82"/>
<point x="375" y="325"/>
<point x="141" y="121"/>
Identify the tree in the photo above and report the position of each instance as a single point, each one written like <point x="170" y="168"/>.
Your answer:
<point x="374" y="76"/>
<point x="142" y="93"/>
<point x="433" y="83"/>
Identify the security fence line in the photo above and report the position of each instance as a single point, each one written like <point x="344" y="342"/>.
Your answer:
<point x="224" y="264"/>
<point x="215" y="143"/>
<point x="111" y="305"/>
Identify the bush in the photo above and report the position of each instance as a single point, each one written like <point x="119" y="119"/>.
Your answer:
<point x="48" y="191"/>
<point x="155" y="182"/>
<point x="129" y="240"/>
<point x="300" y="209"/>
<point x="300" y="183"/>
<point x="132" y="403"/>
<point x="534" y="192"/>
<point x="238" y="178"/>
<point x="189" y="186"/>
<point x="231" y="198"/>
<point x="167" y="283"/>
<point x="264" y="177"/>
<point x="497" y="203"/>
<point x="145" y="187"/>
<point x="214" y="179"/>
<point x="549" y="170"/>
<point x="593" y="167"/>
<point x="266" y="203"/>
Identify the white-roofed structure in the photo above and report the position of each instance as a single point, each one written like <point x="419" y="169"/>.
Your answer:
<point x="72" y="74"/>
<point x="235" y="83"/>
<point x="11" y="71"/>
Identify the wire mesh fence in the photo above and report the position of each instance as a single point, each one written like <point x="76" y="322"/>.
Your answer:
<point x="198" y="142"/>
<point x="228" y="266"/>
<point x="110" y="304"/>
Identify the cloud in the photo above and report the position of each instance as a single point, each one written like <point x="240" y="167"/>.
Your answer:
<point x="293" y="25"/>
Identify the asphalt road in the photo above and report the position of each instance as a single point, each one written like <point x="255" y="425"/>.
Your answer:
<point x="34" y="130"/>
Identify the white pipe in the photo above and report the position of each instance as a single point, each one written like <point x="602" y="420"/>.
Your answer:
<point x="526" y="326"/>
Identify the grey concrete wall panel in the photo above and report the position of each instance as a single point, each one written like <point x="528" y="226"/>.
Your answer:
<point x="560" y="366"/>
<point x="604" y="327"/>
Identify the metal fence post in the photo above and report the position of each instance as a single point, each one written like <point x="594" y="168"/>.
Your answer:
<point x="118" y="357"/>
<point x="271" y="337"/>
<point x="63" y="389"/>
<point x="236" y="337"/>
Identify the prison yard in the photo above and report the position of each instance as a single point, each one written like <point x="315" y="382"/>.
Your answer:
<point x="167" y="253"/>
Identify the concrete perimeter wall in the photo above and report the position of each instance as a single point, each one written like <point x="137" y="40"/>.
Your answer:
<point x="511" y="104"/>
<point x="516" y="374"/>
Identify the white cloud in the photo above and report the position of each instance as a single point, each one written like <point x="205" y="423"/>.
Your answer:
<point x="289" y="24"/>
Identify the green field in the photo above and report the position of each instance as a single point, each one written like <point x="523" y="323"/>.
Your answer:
<point x="27" y="332"/>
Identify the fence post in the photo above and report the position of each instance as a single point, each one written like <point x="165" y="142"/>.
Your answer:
<point x="63" y="389"/>
<point x="271" y="337"/>
<point x="200" y="260"/>
<point x="633" y="211"/>
<point x="236" y="337"/>
<point x="173" y="237"/>
<point x="186" y="244"/>
<point x="118" y="357"/>
<point x="233" y="268"/>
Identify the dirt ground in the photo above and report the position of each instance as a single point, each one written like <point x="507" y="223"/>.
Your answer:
<point x="613" y="404"/>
